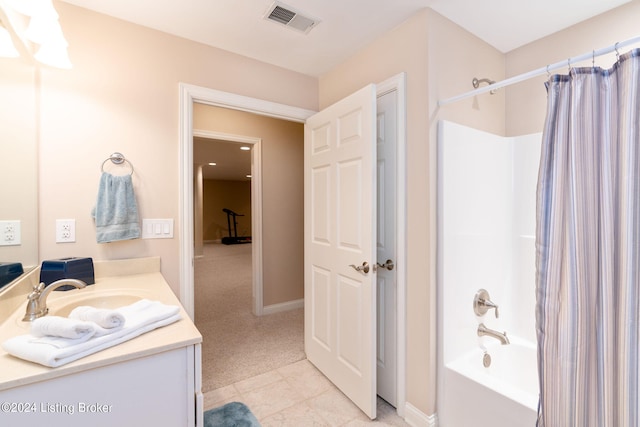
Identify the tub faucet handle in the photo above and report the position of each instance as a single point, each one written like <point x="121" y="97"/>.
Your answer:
<point x="482" y="303"/>
<point x="489" y="304"/>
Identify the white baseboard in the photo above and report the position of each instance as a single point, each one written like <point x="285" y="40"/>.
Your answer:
<point x="414" y="417"/>
<point x="283" y="306"/>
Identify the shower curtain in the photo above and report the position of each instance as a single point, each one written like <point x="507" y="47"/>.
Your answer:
<point x="588" y="248"/>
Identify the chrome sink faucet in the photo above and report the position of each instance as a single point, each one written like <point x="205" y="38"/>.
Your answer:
<point x="37" y="299"/>
<point x="502" y="337"/>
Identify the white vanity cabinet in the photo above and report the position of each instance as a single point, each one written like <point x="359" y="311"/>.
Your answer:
<point x="158" y="390"/>
<point x="151" y="380"/>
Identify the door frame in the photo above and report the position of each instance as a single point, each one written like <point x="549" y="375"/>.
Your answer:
<point x="256" y="208"/>
<point x="188" y="94"/>
<point x="397" y="83"/>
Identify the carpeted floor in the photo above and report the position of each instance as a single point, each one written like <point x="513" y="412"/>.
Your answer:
<point x="236" y="344"/>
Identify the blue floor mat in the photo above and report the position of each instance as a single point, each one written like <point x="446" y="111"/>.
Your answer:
<point x="234" y="414"/>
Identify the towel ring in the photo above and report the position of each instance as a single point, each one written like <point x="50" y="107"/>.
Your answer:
<point x="117" y="159"/>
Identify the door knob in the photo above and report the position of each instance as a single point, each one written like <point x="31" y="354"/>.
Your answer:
<point x="388" y="265"/>
<point x="364" y="267"/>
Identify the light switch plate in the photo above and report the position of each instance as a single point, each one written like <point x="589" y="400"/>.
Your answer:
<point x="10" y="233"/>
<point x="157" y="228"/>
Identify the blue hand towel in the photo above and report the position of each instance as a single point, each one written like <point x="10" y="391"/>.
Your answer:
<point x="116" y="211"/>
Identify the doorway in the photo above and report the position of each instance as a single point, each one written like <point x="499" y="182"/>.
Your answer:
<point x="190" y="94"/>
<point x="233" y="170"/>
<point x="236" y="337"/>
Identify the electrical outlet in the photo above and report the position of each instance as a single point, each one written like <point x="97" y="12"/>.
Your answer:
<point x="65" y="230"/>
<point x="10" y="233"/>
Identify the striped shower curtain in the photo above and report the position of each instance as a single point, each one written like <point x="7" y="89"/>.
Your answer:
<point x="588" y="248"/>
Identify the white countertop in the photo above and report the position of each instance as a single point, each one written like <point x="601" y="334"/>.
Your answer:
<point x="139" y="276"/>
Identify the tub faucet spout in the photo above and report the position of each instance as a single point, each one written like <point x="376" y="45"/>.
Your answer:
<point x="502" y="337"/>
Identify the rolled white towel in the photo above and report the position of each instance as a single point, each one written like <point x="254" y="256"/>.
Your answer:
<point x="56" y="326"/>
<point x="108" y="319"/>
<point x="142" y="316"/>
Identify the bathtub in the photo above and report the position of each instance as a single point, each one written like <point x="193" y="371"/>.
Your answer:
<point x="503" y="395"/>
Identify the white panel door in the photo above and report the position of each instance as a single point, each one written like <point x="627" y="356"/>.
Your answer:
<point x="386" y="247"/>
<point x="340" y="221"/>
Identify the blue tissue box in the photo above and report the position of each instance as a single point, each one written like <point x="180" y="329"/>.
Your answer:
<point x="67" y="268"/>
<point x="9" y="271"/>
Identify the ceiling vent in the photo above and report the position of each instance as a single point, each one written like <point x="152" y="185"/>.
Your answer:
<point x="289" y="17"/>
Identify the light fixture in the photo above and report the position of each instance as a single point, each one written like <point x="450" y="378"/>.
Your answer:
<point x="33" y="7"/>
<point x="54" y="54"/>
<point x="248" y="176"/>
<point x="245" y="148"/>
<point x="43" y="30"/>
<point x="212" y="164"/>
<point x="7" y="48"/>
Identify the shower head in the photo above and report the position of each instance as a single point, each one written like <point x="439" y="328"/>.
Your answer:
<point x="476" y="83"/>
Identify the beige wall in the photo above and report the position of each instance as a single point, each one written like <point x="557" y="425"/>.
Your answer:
<point x="527" y="101"/>
<point x="455" y="58"/>
<point x="218" y="195"/>
<point x="122" y="95"/>
<point x="282" y="148"/>
<point x="440" y="59"/>
<point x="18" y="162"/>
<point x="198" y="194"/>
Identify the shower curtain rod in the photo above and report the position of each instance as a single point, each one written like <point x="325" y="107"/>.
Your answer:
<point x="540" y="71"/>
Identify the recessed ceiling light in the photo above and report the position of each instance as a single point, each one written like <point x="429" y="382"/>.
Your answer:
<point x="245" y="148"/>
<point x="212" y="164"/>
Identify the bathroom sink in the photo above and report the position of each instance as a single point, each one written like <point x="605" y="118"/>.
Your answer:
<point x="104" y="301"/>
<point x="62" y="303"/>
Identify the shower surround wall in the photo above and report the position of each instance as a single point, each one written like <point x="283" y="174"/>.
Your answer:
<point x="486" y="215"/>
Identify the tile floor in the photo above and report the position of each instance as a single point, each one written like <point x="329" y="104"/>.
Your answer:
<point x="299" y="395"/>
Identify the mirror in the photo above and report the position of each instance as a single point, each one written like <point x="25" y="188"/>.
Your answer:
<point x="19" y="162"/>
